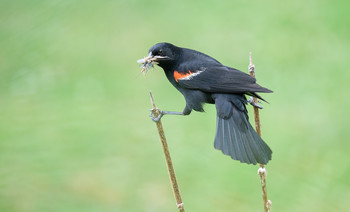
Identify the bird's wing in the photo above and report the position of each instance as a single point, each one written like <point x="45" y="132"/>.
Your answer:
<point x="219" y="79"/>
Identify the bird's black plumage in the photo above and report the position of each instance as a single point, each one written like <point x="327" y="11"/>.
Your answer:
<point x="202" y="79"/>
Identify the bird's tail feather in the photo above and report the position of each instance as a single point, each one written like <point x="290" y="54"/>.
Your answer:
<point x="237" y="138"/>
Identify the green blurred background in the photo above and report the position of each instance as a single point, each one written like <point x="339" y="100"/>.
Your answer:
<point x="75" y="133"/>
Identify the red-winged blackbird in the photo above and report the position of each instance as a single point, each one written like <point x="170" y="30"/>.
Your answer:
<point x="202" y="79"/>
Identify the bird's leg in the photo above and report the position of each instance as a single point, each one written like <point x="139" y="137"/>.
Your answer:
<point x="186" y="111"/>
<point x="251" y="101"/>
<point x="162" y="113"/>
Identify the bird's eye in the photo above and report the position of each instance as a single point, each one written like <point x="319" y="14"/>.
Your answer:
<point x="160" y="52"/>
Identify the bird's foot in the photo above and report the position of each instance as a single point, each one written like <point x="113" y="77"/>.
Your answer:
<point x="251" y="101"/>
<point x="156" y="114"/>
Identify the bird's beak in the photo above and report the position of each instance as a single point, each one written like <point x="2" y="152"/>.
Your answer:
<point x="150" y="58"/>
<point x="149" y="61"/>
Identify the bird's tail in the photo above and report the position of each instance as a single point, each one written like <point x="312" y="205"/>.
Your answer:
<point x="236" y="137"/>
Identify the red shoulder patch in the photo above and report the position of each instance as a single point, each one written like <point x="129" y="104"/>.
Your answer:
<point x="178" y="75"/>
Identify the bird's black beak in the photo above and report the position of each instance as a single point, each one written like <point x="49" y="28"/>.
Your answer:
<point x="151" y="58"/>
<point x="149" y="61"/>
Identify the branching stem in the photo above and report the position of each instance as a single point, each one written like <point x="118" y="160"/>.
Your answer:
<point x="261" y="171"/>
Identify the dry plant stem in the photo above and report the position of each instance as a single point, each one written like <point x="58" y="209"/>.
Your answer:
<point x="262" y="171"/>
<point x="168" y="161"/>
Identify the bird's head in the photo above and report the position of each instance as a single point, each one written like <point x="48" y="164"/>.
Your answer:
<point x="162" y="54"/>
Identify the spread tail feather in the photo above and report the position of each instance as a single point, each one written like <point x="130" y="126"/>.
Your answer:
<point x="236" y="137"/>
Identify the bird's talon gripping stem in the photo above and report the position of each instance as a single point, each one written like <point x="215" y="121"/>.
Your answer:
<point x="251" y="101"/>
<point x="152" y="115"/>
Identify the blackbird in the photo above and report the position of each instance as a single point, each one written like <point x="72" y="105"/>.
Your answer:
<point x="202" y="79"/>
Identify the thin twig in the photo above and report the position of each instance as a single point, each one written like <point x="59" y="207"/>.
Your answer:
<point x="261" y="171"/>
<point x="169" y="163"/>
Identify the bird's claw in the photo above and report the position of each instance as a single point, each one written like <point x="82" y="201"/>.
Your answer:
<point x="156" y="119"/>
<point x="251" y="101"/>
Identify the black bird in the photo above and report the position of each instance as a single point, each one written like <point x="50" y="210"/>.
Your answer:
<point x="202" y="79"/>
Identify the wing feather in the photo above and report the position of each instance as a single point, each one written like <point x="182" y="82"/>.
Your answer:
<point x="222" y="79"/>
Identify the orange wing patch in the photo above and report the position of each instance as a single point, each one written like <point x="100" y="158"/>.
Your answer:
<point x="178" y="75"/>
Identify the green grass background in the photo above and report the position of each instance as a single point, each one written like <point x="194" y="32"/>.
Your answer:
<point x="74" y="129"/>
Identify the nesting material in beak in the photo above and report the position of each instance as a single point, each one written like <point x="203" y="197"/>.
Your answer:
<point x="149" y="62"/>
